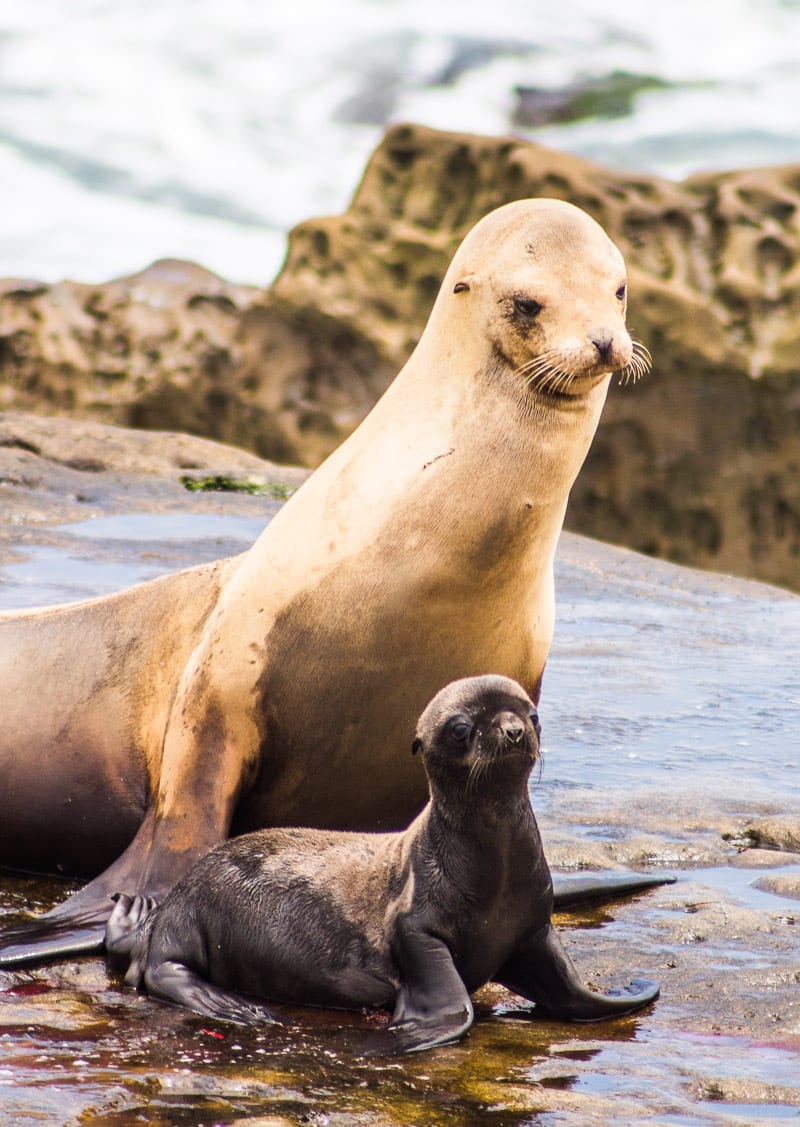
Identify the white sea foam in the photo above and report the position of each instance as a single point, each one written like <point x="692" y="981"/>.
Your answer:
<point x="131" y="131"/>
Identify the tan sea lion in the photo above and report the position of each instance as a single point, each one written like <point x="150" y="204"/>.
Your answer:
<point x="412" y="922"/>
<point x="280" y="687"/>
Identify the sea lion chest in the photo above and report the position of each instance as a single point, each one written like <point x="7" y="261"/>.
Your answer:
<point x="482" y="892"/>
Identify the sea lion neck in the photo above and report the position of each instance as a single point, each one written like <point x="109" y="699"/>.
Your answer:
<point x="469" y="424"/>
<point x="469" y="839"/>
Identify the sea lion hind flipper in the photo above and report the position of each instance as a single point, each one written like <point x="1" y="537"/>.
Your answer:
<point x="52" y="936"/>
<point x="174" y="982"/>
<point x="570" y="890"/>
<point x="542" y="971"/>
<point x="76" y="926"/>
<point x="433" y="1006"/>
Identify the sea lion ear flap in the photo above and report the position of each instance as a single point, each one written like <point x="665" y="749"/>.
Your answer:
<point x="416" y="746"/>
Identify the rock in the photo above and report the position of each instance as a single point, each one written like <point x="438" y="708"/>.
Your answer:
<point x="764" y="859"/>
<point x="608" y="96"/>
<point x="56" y="471"/>
<point x="781" y="884"/>
<point x="781" y="833"/>
<point x="698" y="464"/>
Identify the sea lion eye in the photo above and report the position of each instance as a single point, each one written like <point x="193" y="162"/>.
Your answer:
<point x="621" y="292"/>
<point x="527" y="306"/>
<point x="459" y="729"/>
<point x="534" y="719"/>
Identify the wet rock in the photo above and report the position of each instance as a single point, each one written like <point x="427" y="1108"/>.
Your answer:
<point x="572" y="852"/>
<point x="782" y="884"/>
<point x="776" y="833"/>
<point x="609" y="96"/>
<point x="55" y="470"/>
<point x="748" y="1092"/>
<point x="764" y="859"/>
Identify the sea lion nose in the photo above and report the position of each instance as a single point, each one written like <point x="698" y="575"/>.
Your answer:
<point x="603" y="344"/>
<point x="512" y="728"/>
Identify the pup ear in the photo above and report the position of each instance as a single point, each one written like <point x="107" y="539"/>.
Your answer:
<point x="416" y="746"/>
<point x="460" y="287"/>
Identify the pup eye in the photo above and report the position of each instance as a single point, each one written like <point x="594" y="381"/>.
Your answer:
<point x="527" y="306"/>
<point x="459" y="730"/>
<point x="534" y="718"/>
<point x="623" y="289"/>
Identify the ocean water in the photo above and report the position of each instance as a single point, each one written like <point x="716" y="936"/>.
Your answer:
<point x="136" y="130"/>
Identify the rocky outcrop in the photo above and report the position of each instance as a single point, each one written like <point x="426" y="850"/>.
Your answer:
<point x="700" y="463"/>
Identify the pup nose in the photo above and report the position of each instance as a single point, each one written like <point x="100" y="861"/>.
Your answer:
<point x="513" y="730"/>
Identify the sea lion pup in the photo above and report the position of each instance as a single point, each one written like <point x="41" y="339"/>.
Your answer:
<point x="412" y="921"/>
<point x="281" y="687"/>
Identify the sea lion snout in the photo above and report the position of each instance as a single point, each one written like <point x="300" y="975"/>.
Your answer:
<point x="511" y="726"/>
<point x="516" y="732"/>
<point x="613" y="346"/>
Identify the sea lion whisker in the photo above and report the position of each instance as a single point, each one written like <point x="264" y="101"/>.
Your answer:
<point x="537" y="364"/>
<point x="547" y="376"/>
<point x="539" y="375"/>
<point x="548" y="381"/>
<point x="642" y="351"/>
<point x="568" y="378"/>
<point x="638" y="366"/>
<point x="476" y="773"/>
<point x="542" y="357"/>
<point x="562" y="380"/>
<point x="539" y="768"/>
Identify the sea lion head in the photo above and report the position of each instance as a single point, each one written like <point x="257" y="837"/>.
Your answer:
<point x="548" y="289"/>
<point x="478" y="733"/>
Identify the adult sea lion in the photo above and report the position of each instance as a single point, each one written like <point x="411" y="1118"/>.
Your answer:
<point x="280" y="687"/>
<point x="413" y="921"/>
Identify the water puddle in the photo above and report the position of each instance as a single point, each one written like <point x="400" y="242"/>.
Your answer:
<point x="213" y="528"/>
<point x="739" y="885"/>
<point x="98" y="557"/>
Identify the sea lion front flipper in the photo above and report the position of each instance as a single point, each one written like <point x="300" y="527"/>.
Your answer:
<point x="174" y="982"/>
<point x="432" y="1006"/>
<point x="542" y="971"/>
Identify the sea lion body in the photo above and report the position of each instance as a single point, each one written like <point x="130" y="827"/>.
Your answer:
<point x="413" y="921"/>
<point x="280" y="687"/>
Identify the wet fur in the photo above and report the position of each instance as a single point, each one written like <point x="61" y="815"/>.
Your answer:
<point x="413" y="921"/>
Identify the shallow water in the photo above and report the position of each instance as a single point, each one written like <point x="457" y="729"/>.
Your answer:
<point x="671" y="706"/>
<point x="699" y="672"/>
<point x="96" y="557"/>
